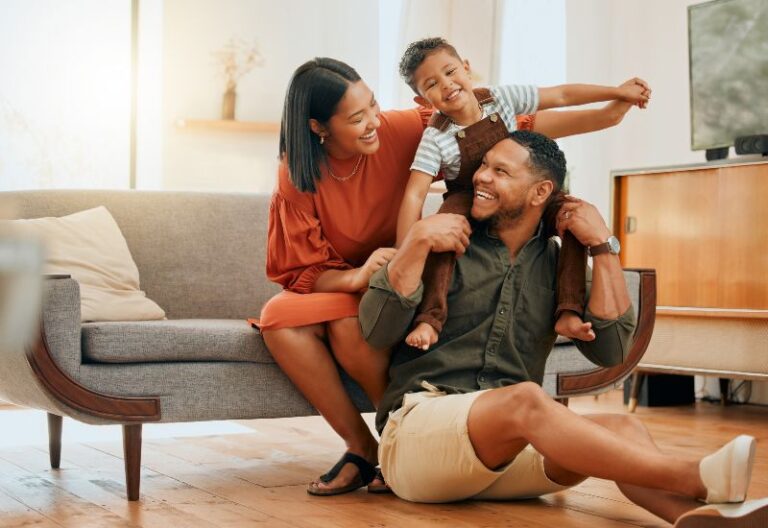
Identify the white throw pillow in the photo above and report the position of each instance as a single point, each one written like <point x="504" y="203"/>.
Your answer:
<point x="90" y="247"/>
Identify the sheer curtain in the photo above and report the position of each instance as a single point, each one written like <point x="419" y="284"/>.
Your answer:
<point x="65" y="97"/>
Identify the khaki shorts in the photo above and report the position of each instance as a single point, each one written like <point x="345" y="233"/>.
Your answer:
<point x="426" y="455"/>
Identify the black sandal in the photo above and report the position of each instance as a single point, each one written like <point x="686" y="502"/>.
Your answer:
<point x="366" y="474"/>
<point x="379" y="488"/>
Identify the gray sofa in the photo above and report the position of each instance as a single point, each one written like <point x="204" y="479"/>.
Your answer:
<point x="201" y="258"/>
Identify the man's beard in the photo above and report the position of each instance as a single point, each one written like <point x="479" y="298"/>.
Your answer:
<point x="509" y="216"/>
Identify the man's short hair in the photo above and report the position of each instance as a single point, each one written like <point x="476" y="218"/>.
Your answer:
<point x="545" y="157"/>
<point x="417" y="52"/>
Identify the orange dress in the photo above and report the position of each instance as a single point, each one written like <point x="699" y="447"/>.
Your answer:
<point x="340" y="225"/>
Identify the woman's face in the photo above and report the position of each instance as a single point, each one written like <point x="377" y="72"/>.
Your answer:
<point x="352" y="129"/>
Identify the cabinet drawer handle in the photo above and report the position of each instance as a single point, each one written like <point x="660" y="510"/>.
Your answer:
<point x="630" y="226"/>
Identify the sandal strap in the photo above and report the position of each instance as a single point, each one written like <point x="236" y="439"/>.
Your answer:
<point x="366" y="469"/>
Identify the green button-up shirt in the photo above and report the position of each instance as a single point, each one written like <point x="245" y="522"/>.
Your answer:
<point x="500" y="326"/>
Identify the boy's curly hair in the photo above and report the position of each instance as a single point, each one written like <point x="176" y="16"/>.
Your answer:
<point x="416" y="53"/>
<point x="545" y="157"/>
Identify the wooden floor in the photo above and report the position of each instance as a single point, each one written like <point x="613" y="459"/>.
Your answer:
<point x="258" y="479"/>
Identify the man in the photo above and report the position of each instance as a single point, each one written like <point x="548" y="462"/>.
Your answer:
<point x="468" y="418"/>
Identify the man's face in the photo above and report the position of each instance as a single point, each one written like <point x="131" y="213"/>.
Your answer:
<point x="503" y="183"/>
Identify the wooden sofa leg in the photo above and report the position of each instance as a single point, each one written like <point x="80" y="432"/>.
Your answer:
<point x="54" y="439"/>
<point x="634" y="390"/>
<point x="132" y="455"/>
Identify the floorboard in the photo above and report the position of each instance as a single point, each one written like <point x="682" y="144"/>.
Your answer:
<point x="258" y="477"/>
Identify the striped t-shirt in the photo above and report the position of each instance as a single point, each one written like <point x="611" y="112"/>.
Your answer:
<point x="439" y="150"/>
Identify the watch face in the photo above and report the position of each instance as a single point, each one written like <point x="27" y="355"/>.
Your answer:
<point x="613" y="245"/>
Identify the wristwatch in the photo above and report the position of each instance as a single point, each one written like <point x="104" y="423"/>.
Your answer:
<point x="611" y="246"/>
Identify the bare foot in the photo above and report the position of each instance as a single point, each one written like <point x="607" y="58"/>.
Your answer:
<point x="569" y="324"/>
<point x="423" y="336"/>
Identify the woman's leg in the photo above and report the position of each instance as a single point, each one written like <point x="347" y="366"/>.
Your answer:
<point x="366" y="365"/>
<point x="302" y="353"/>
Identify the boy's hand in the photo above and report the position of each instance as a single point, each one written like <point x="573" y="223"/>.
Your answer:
<point x="375" y="262"/>
<point x="635" y="91"/>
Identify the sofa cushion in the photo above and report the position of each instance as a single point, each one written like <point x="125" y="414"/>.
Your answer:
<point x="90" y="247"/>
<point x="175" y="340"/>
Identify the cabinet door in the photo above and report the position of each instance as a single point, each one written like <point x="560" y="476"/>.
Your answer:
<point x="704" y="231"/>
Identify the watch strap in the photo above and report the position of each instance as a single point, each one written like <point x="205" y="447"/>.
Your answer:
<point x="599" y="249"/>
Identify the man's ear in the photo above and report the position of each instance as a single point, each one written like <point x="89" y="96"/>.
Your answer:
<point x="541" y="192"/>
<point x="419" y="100"/>
<point x="317" y="128"/>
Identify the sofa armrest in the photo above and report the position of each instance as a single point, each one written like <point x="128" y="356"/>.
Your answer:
<point x="56" y="358"/>
<point x="60" y="321"/>
<point x="575" y="383"/>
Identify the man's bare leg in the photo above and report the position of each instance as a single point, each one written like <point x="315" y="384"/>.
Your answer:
<point x="502" y="421"/>
<point x="664" y="504"/>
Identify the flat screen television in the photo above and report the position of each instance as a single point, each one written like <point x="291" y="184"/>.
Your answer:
<point x="728" y="54"/>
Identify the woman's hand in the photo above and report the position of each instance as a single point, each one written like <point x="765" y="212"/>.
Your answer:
<point x="375" y="262"/>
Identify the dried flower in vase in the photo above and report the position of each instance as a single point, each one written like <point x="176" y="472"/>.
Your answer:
<point x="236" y="59"/>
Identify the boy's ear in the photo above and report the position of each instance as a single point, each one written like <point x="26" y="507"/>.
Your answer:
<point x="467" y="67"/>
<point x="419" y="100"/>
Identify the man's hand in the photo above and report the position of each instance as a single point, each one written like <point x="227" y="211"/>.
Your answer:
<point x="443" y="232"/>
<point x="583" y="220"/>
<point x="437" y="233"/>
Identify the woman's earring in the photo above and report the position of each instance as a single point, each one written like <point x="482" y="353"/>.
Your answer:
<point x="322" y="139"/>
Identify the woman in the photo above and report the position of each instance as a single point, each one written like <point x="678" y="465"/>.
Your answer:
<point x="333" y="217"/>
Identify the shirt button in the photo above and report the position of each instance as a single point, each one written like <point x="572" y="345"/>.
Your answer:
<point x="481" y="379"/>
<point x="502" y="311"/>
<point x="461" y="134"/>
<point x="494" y="117"/>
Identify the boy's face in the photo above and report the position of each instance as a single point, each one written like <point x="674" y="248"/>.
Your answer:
<point x="443" y="81"/>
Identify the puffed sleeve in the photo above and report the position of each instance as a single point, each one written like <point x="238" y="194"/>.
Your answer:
<point x="526" y="122"/>
<point x="297" y="251"/>
<point x="425" y="114"/>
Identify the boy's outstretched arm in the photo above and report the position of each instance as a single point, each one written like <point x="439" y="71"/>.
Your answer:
<point x="635" y="91"/>
<point x="558" y="124"/>
<point x="413" y="202"/>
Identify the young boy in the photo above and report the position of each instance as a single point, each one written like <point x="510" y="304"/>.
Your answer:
<point x="466" y="124"/>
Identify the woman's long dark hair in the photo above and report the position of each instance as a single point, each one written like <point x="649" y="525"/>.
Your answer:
<point x="314" y="92"/>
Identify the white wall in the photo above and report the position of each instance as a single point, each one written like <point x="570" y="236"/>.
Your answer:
<point x="607" y="43"/>
<point x="288" y="35"/>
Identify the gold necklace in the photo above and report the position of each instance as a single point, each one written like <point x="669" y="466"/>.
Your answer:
<point x="345" y="178"/>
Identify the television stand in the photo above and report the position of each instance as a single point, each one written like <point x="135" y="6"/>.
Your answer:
<point x="704" y="229"/>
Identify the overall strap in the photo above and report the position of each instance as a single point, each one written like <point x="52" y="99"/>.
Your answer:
<point x="441" y="121"/>
<point x="483" y="96"/>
